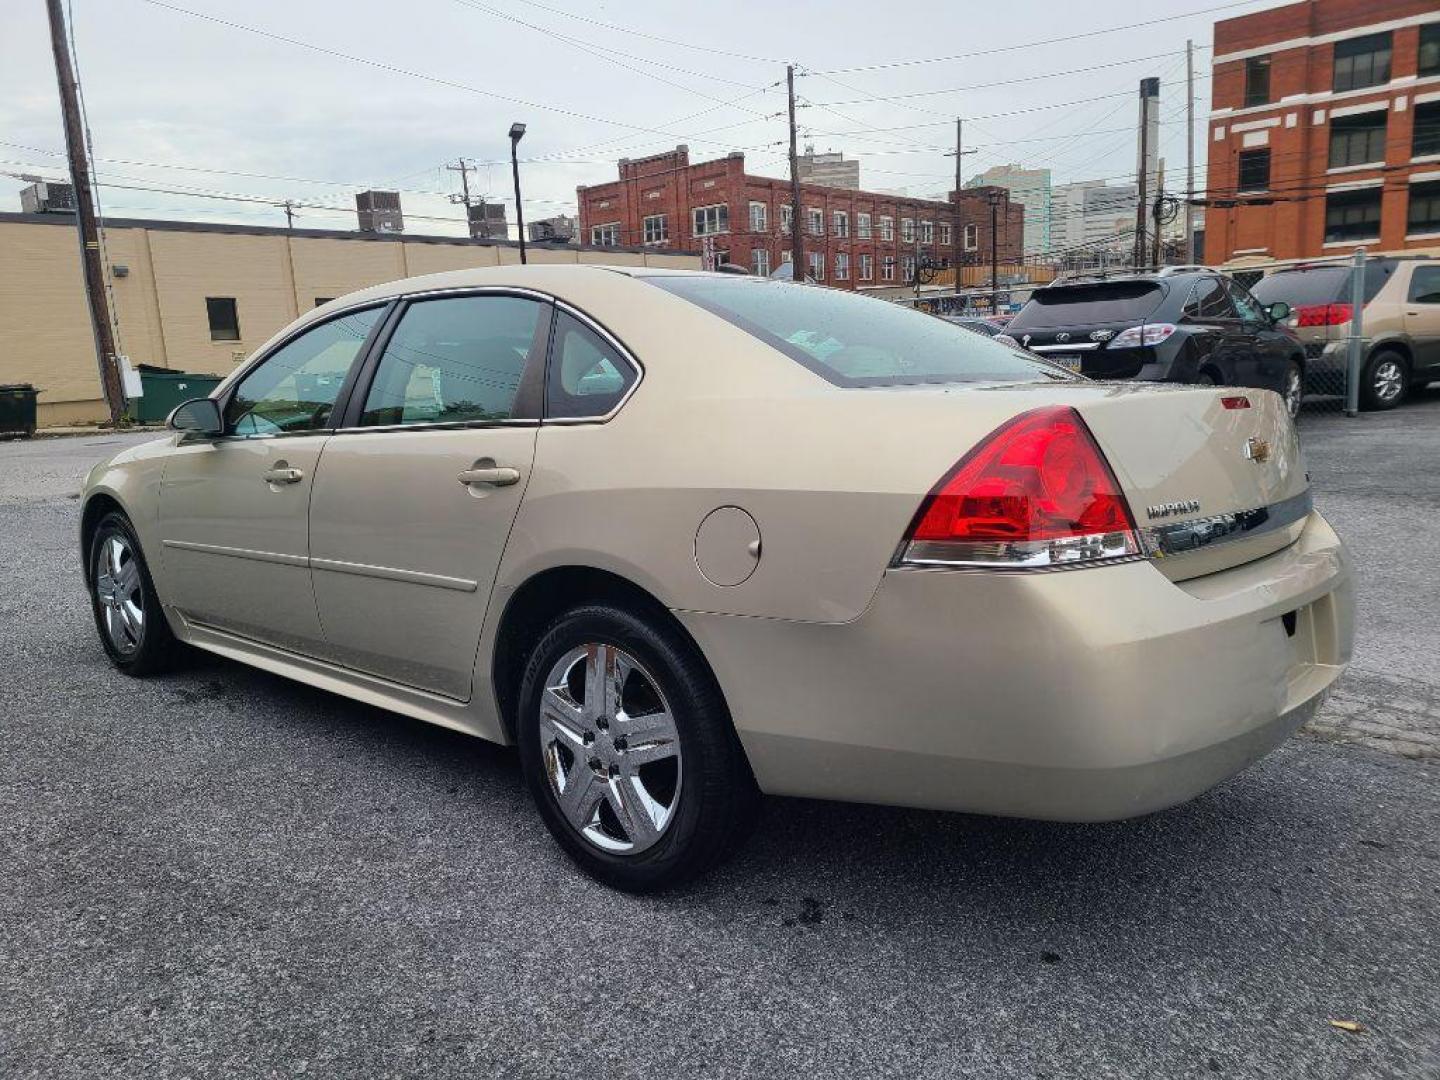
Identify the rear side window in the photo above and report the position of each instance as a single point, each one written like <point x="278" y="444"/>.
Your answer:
<point x="454" y="360"/>
<point x="853" y="340"/>
<point x="587" y="376"/>
<point x="1209" y="300"/>
<point x="1081" y="305"/>
<point x="1320" y="284"/>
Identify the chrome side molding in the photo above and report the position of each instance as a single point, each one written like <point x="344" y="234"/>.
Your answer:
<point x="1178" y="537"/>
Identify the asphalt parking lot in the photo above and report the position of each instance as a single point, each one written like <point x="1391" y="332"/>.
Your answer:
<point x="223" y="873"/>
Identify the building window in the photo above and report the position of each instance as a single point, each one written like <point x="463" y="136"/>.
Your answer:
<point x="1254" y="170"/>
<point x="1358" y="140"/>
<point x="840" y="221"/>
<point x="887" y="228"/>
<point x="1362" y="61"/>
<point x="759" y="217"/>
<point x="972" y="237"/>
<point x="710" y="220"/>
<point x="1424" y="216"/>
<point x="842" y="266"/>
<point x="817" y="265"/>
<point x="224" y="318"/>
<point x="760" y="261"/>
<point x="907" y="230"/>
<point x="605" y="235"/>
<point x="815" y="221"/>
<point x="862" y="226"/>
<point x="867" y="267"/>
<point x="1430" y="50"/>
<point x="927" y="232"/>
<point x="1257" y="81"/>
<point x="907" y="269"/>
<point x="1427" y="129"/>
<point x="947" y="235"/>
<point x="787" y="215"/>
<point x="787" y="256"/>
<point x="1352" y="215"/>
<point x="656" y="229"/>
<point x="887" y="268"/>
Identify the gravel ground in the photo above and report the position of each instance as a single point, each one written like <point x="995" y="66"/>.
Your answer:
<point x="223" y="873"/>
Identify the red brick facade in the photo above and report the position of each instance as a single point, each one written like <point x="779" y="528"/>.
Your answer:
<point x="667" y="190"/>
<point x="1318" y="200"/>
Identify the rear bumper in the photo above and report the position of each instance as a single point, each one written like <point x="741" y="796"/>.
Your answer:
<point x="1078" y="695"/>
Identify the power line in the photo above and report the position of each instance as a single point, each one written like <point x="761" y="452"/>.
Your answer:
<point x="654" y="37"/>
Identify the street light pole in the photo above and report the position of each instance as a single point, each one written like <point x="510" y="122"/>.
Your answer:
<point x="517" y="132"/>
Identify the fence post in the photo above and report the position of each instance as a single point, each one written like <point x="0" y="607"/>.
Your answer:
<point x="1357" y="334"/>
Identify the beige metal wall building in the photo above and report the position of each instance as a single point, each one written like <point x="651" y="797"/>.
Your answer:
<point x="162" y="273"/>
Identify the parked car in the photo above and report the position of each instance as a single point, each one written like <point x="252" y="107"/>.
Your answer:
<point x="688" y="537"/>
<point x="1401" y="324"/>
<point x="1192" y="326"/>
<point x="979" y="326"/>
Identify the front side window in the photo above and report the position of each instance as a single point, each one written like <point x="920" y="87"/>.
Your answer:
<point x="1429" y="50"/>
<point x="657" y="230"/>
<point x="852" y="340"/>
<point x="224" y="318"/>
<point x="588" y="377"/>
<point x="1358" y="140"/>
<point x="1254" y="170"/>
<point x="712" y="219"/>
<point x="1362" y="61"/>
<point x="1427" y="130"/>
<point x="1244" y="303"/>
<point x="1424" y="212"/>
<point x="1352" y="215"/>
<point x="759" y="217"/>
<point x="862" y="226"/>
<point x="1257" y="81"/>
<point x="1425" y="285"/>
<point x="454" y="360"/>
<point x="605" y="235"/>
<point x="295" y="387"/>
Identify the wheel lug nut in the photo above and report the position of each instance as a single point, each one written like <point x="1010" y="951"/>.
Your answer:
<point x="595" y="763"/>
<point x="621" y="744"/>
<point x="602" y="723"/>
<point x="588" y="738"/>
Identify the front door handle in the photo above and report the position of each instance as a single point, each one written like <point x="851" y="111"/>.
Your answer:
<point x="498" y="475"/>
<point x="283" y="474"/>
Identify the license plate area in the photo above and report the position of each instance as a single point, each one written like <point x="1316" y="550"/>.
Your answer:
<point x="1068" y="362"/>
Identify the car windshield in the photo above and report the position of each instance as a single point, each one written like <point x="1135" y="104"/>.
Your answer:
<point x="1093" y="302"/>
<point x="855" y="340"/>
<point x="1318" y="284"/>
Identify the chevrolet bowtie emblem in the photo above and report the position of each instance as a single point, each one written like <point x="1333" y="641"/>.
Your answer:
<point x="1257" y="449"/>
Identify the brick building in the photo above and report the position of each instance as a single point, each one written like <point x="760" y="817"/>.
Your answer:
<point x="1325" y="130"/>
<point x="852" y="239"/>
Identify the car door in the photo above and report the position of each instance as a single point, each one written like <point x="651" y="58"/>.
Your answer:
<point x="1422" y="319"/>
<point x="1262" y="351"/>
<point x="233" y="509"/>
<point x="417" y="492"/>
<point x="1221" y="341"/>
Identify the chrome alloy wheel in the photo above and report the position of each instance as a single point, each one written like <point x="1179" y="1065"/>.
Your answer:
<point x="119" y="593"/>
<point x="1388" y="381"/>
<point x="610" y="748"/>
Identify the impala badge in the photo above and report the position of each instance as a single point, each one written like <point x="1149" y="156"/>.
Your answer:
<point x="1257" y="449"/>
<point x="1171" y="509"/>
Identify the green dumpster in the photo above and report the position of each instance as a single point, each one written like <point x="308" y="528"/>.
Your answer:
<point x="17" y="409"/>
<point x="164" y="389"/>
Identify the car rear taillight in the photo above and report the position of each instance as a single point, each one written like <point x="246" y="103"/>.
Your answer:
<point x="1323" y="314"/>
<point x="1136" y="336"/>
<point x="1035" y="493"/>
<point x="1235" y="402"/>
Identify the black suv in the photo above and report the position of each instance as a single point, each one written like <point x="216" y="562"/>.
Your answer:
<point x="1188" y="325"/>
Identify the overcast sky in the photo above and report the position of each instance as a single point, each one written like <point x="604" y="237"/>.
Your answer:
<point x="183" y="103"/>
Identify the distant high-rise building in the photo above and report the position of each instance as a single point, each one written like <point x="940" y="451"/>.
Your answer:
<point x="1031" y="188"/>
<point x="1090" y="216"/>
<point x="829" y="170"/>
<point x="379" y="211"/>
<point x="487" y="221"/>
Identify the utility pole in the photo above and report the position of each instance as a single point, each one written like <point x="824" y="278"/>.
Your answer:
<point x="994" y="199"/>
<point x="1190" y="153"/>
<point x="797" y="244"/>
<point x="1149" y="92"/>
<point x="289" y="208"/>
<point x="89" y="233"/>
<point x="957" y="230"/>
<point x="463" y="167"/>
<point x="1158" y="207"/>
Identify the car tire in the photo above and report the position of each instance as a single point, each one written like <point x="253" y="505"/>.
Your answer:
<point x="1383" y="380"/>
<point x="133" y="629"/>
<point x="657" y="791"/>
<point x="1206" y="378"/>
<point x="1294" y="389"/>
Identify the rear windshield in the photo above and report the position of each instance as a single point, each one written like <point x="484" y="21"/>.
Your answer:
<point x="1319" y="284"/>
<point x="1100" y="302"/>
<point x="855" y="340"/>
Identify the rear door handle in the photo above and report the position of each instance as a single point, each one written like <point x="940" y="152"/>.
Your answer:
<point x="284" y="475"/>
<point x="498" y="475"/>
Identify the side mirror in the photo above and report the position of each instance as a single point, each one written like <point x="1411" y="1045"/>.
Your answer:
<point x="1279" y="311"/>
<point x="198" y="416"/>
